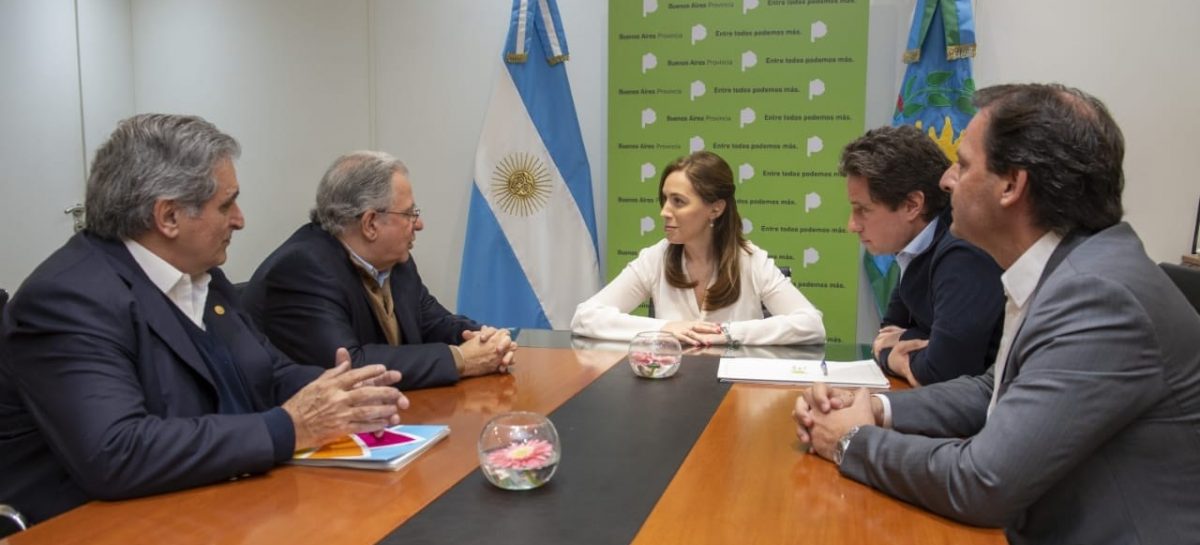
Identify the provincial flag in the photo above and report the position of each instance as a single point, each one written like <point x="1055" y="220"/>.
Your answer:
<point x="936" y="93"/>
<point x="935" y="96"/>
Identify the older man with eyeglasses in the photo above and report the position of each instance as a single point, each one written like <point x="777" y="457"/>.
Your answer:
<point x="348" y="279"/>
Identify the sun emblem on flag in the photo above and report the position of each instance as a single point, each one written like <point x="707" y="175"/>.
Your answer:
<point x="521" y="184"/>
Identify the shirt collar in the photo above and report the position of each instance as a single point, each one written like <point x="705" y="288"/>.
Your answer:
<point x="188" y="293"/>
<point x="1022" y="277"/>
<point x="917" y="245"/>
<point x="380" y="277"/>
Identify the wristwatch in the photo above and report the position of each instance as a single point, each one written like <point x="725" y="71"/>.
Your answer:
<point x="843" y="444"/>
<point x="728" y="337"/>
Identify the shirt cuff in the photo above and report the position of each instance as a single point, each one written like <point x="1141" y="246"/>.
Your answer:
<point x="460" y="362"/>
<point x="887" y="410"/>
<point x="283" y="433"/>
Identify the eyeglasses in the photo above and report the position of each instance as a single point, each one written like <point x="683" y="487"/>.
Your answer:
<point x="413" y="214"/>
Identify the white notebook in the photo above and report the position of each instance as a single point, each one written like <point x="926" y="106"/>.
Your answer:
<point x="783" y="371"/>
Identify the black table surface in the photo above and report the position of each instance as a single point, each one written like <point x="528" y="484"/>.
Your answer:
<point x="623" y="438"/>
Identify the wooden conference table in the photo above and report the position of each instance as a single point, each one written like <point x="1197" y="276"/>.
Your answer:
<point x="684" y="460"/>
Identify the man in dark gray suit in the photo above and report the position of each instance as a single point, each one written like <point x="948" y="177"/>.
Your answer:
<point x="1087" y="428"/>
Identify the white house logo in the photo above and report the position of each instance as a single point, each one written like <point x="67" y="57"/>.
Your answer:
<point x="521" y="184"/>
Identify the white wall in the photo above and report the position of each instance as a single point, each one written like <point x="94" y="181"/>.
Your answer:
<point x="105" y="69"/>
<point x="1140" y="58"/>
<point x="299" y="82"/>
<point x="41" y="150"/>
<point x="287" y="78"/>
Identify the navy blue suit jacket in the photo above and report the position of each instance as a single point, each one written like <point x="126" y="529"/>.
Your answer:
<point x="309" y="299"/>
<point x="104" y="396"/>
<point x="951" y="295"/>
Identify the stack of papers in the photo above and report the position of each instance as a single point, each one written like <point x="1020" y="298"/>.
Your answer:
<point x="784" y="371"/>
<point x="390" y="450"/>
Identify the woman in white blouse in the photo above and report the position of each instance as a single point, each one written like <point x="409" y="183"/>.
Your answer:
<point x="703" y="241"/>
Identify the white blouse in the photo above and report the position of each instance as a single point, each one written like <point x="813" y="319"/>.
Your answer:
<point x="793" y="319"/>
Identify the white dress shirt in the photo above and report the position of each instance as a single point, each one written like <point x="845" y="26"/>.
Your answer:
<point x="189" y="293"/>
<point x="1020" y="281"/>
<point x="793" y="319"/>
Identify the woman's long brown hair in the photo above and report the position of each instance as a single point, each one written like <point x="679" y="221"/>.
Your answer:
<point x="712" y="179"/>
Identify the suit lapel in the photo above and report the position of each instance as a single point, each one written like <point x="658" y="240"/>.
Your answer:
<point x="158" y="314"/>
<point x="410" y="332"/>
<point x="1068" y="244"/>
<point x="226" y="323"/>
<point x="349" y="281"/>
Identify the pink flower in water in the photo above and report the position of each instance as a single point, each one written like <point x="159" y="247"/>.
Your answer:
<point x="531" y="454"/>
<point x="648" y="358"/>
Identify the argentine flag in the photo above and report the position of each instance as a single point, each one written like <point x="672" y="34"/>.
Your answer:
<point x="530" y="252"/>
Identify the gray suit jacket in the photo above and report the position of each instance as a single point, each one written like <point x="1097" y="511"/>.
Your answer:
<point x="1096" y="434"/>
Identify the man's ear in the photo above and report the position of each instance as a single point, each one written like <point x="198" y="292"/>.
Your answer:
<point x="913" y="205"/>
<point x="167" y="214"/>
<point x="1015" y="187"/>
<point x="366" y="225"/>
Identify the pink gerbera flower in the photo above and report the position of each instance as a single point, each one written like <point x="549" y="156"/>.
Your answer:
<point x="531" y="454"/>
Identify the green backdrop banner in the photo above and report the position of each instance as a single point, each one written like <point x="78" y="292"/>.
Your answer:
<point x="777" y="88"/>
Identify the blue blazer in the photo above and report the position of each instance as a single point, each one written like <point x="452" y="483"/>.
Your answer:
<point x="951" y="295"/>
<point x="309" y="299"/>
<point x="104" y="396"/>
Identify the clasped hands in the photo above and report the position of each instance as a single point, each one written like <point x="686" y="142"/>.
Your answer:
<point x="824" y="414"/>
<point x="696" y="333"/>
<point x="489" y="350"/>
<point x="900" y="358"/>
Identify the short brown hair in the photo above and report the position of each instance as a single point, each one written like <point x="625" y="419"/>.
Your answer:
<point x="897" y="161"/>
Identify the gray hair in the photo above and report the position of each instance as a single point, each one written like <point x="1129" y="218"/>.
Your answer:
<point x="355" y="183"/>
<point x="151" y="157"/>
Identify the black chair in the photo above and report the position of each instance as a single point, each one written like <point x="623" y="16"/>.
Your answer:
<point x="11" y="521"/>
<point x="1188" y="281"/>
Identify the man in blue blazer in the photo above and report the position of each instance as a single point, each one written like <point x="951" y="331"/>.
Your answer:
<point x="347" y="279"/>
<point x="1087" y="428"/>
<point x="128" y="366"/>
<point x="944" y="318"/>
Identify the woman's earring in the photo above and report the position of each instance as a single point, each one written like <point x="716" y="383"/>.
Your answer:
<point x="710" y="225"/>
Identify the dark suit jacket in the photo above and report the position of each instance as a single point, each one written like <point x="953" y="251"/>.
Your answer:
<point x="309" y="299"/>
<point x="951" y="295"/>
<point x="104" y="396"/>
<point x="1095" y="437"/>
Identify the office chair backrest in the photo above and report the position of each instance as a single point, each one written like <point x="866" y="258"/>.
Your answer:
<point x="1188" y="281"/>
<point x="10" y="521"/>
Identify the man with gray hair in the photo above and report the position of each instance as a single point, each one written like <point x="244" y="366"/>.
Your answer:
<point x="128" y="366"/>
<point x="347" y="278"/>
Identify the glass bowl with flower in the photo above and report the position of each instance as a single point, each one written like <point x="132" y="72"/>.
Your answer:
<point x="655" y="354"/>
<point x="519" y="450"/>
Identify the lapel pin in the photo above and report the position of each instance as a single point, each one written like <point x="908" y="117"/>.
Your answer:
<point x="220" y="310"/>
